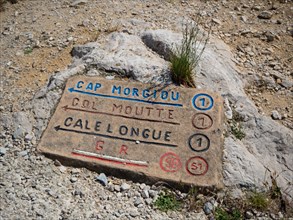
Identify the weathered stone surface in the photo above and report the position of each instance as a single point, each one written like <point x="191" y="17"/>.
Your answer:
<point x="267" y="146"/>
<point x="47" y="98"/>
<point x="165" y="132"/>
<point x="22" y="125"/>
<point x="127" y="55"/>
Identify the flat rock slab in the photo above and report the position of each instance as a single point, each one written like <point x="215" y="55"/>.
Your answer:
<point x="165" y="132"/>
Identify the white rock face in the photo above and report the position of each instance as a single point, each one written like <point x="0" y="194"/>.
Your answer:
<point x="267" y="147"/>
<point x="128" y="56"/>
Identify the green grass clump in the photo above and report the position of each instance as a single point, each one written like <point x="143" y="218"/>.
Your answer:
<point x="259" y="200"/>
<point x="236" y="130"/>
<point x="186" y="56"/>
<point x="28" y="50"/>
<point x="167" y="201"/>
<point x="221" y="214"/>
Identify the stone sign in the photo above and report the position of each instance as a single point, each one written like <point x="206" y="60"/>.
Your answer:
<point x="165" y="132"/>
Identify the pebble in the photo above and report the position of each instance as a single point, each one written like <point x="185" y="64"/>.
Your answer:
<point x="217" y="21"/>
<point x="148" y="201"/>
<point x="280" y="214"/>
<point x="117" y="188"/>
<point x="2" y="151"/>
<point x="142" y="186"/>
<point x="153" y="193"/>
<point x="70" y="39"/>
<point x="145" y="194"/>
<point x="249" y="215"/>
<point x="125" y="186"/>
<point x="73" y="179"/>
<point x="138" y="201"/>
<point x="78" y="2"/>
<point x="57" y="163"/>
<point x="265" y="15"/>
<point x="208" y="208"/>
<point x="276" y="115"/>
<point x="133" y="212"/>
<point x="130" y="194"/>
<point x="28" y="137"/>
<point x="111" y="188"/>
<point x="102" y="178"/>
<point x="62" y="169"/>
<point x="243" y="18"/>
<point x="75" y="171"/>
<point x="23" y="153"/>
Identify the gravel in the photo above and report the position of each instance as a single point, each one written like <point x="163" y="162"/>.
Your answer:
<point x="36" y="40"/>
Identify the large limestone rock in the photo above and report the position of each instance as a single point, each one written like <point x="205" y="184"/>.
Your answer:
<point x="125" y="55"/>
<point x="267" y="146"/>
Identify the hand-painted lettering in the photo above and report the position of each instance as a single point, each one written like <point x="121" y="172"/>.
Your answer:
<point x="148" y="110"/>
<point x="167" y="136"/>
<point x="115" y="88"/>
<point x="164" y="95"/>
<point x="75" y="101"/>
<point x="128" y="110"/>
<point x="79" y="84"/>
<point x="117" y="107"/>
<point x="145" y="133"/>
<point x="78" y="123"/>
<point x="97" y="86"/>
<point x="134" y="131"/>
<point x="83" y="103"/>
<point x="173" y="96"/>
<point x="123" y="149"/>
<point x="89" y="86"/>
<point x="159" y="111"/>
<point x="99" y="146"/>
<point x="123" y="130"/>
<point x="170" y="115"/>
<point x="143" y="111"/>
<point x="135" y="92"/>
<point x="97" y="127"/>
<point x="109" y="129"/>
<point x="170" y="162"/>
<point x="68" y="121"/>
<point x="126" y="91"/>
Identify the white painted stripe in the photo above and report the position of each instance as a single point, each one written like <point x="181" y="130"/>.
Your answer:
<point x="138" y="162"/>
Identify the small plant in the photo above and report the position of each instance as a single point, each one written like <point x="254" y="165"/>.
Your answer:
<point x="259" y="200"/>
<point x="235" y="125"/>
<point x="167" y="201"/>
<point x="221" y="214"/>
<point x="186" y="56"/>
<point x="236" y="130"/>
<point x="28" y="50"/>
<point x="193" y="201"/>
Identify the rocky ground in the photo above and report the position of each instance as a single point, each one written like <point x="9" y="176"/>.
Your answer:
<point x="36" y="40"/>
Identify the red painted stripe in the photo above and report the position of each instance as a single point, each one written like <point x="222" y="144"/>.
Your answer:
<point x="109" y="160"/>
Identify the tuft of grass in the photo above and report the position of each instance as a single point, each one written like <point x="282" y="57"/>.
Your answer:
<point x="28" y="50"/>
<point x="167" y="201"/>
<point x="236" y="130"/>
<point x="222" y="214"/>
<point x="259" y="200"/>
<point x="186" y="56"/>
<point x="235" y="125"/>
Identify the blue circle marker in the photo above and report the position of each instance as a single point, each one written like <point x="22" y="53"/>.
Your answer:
<point x="202" y="102"/>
